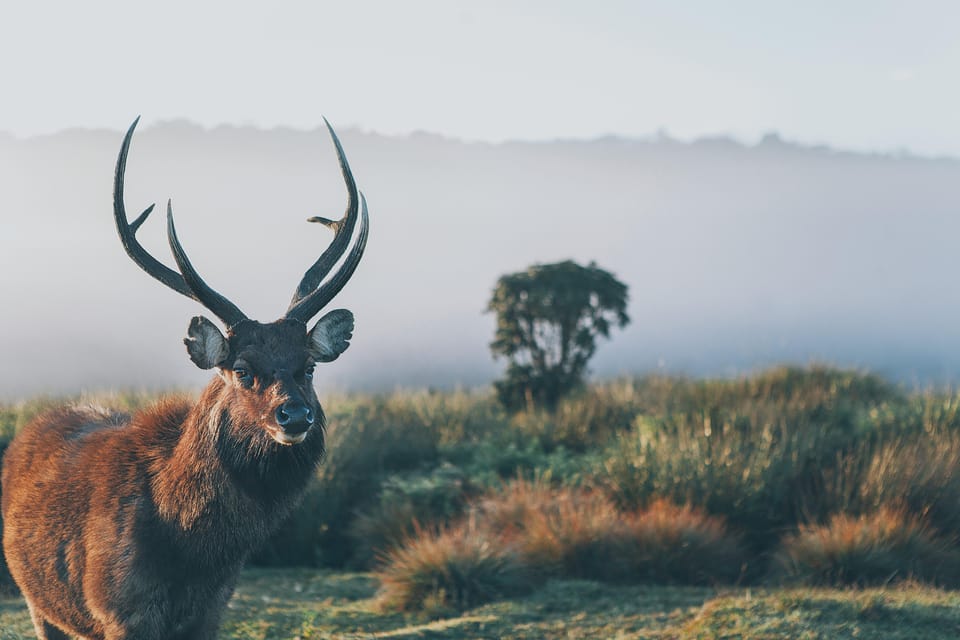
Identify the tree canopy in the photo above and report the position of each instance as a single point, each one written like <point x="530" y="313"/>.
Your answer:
<point x="548" y="320"/>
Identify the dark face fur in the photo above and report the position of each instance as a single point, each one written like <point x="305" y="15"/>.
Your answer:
<point x="268" y="369"/>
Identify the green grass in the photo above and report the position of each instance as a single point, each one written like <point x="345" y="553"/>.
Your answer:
<point x="772" y="455"/>
<point x="301" y="603"/>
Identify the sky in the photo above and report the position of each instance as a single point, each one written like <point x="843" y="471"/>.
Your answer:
<point x="858" y="75"/>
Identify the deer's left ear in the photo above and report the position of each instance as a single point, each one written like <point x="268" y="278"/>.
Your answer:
<point x="331" y="335"/>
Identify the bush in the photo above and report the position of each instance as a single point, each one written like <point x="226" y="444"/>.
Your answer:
<point x="567" y="532"/>
<point x="558" y="532"/>
<point x="887" y="546"/>
<point x="450" y="568"/>
<point x="667" y="543"/>
<point x="407" y="501"/>
<point x="819" y="391"/>
<point x="750" y="450"/>
<point x="507" y="510"/>
<point x="748" y="472"/>
<point x="490" y="464"/>
<point x="919" y="473"/>
<point x="583" y="421"/>
<point x="911" y="461"/>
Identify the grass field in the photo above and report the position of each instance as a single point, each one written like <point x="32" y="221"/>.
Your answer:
<point x="473" y="522"/>
<point x="298" y="603"/>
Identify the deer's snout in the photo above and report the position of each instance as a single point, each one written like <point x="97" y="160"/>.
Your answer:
<point x="294" y="417"/>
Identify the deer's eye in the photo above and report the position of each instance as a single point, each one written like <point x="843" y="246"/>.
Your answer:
<point x="308" y="372"/>
<point x="244" y="376"/>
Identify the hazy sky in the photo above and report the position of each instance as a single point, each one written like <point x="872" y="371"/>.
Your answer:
<point x="866" y="75"/>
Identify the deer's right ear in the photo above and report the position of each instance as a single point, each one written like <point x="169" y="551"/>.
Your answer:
<point x="205" y="344"/>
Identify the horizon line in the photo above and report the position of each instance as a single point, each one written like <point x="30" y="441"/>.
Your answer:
<point x="659" y="136"/>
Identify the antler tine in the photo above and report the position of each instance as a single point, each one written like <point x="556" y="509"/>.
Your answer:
<point x="128" y="230"/>
<point x="343" y="230"/>
<point x="201" y="291"/>
<point x="311" y="305"/>
<point x="188" y="282"/>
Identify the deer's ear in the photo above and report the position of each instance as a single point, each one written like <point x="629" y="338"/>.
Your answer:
<point x="331" y="335"/>
<point x="205" y="344"/>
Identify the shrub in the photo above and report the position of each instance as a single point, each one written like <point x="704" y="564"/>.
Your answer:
<point x="508" y="509"/>
<point x="745" y="471"/>
<point x="582" y="421"/>
<point x="580" y="533"/>
<point x="406" y="499"/>
<point x="920" y="474"/>
<point x="816" y="390"/>
<point x="889" y="545"/>
<point x="456" y="567"/>
<point x="911" y="462"/>
<point x="751" y="450"/>
<point x="682" y="545"/>
<point x="462" y="418"/>
<point x="488" y="463"/>
<point x="562" y="532"/>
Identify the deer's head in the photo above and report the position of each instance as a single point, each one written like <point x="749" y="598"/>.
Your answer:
<point x="266" y="368"/>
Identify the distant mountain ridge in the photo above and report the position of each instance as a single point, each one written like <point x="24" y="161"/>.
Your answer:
<point x="771" y="139"/>
<point x="737" y="256"/>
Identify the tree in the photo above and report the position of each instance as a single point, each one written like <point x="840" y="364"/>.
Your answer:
<point x="548" y="319"/>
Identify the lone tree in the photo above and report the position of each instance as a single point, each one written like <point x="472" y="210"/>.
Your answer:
<point x="548" y="319"/>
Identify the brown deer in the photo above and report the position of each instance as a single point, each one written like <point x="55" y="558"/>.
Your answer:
<point x="121" y="527"/>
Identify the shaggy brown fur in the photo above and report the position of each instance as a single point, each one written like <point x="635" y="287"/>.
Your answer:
<point x="121" y="526"/>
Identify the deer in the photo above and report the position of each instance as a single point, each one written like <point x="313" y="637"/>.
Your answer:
<point x="120" y="526"/>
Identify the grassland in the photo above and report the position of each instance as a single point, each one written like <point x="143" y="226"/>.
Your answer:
<point x="273" y="604"/>
<point x="813" y="503"/>
<point x="343" y="607"/>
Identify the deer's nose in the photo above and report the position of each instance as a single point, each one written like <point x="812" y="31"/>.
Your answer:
<point x="294" y="417"/>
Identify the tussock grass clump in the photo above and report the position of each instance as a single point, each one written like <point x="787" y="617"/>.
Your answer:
<point x="887" y="546"/>
<point x="563" y="532"/>
<point x="454" y="567"/>
<point x="510" y="508"/>
<point x="667" y="543"/>
<point x="571" y="532"/>
<point x="530" y="531"/>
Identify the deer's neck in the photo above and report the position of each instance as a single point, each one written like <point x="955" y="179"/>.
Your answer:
<point x="231" y="479"/>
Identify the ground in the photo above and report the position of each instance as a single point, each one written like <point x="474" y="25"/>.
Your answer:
<point x="289" y="604"/>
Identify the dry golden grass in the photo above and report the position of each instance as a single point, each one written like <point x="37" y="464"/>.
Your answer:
<point x="581" y="533"/>
<point x="887" y="546"/>
<point x="450" y="568"/>
<point x="530" y="532"/>
<point x="569" y="532"/>
<point x="667" y="543"/>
